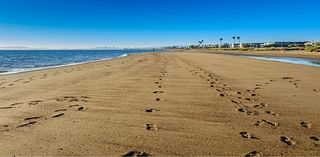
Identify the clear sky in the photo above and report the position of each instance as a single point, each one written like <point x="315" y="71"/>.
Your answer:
<point x="132" y="23"/>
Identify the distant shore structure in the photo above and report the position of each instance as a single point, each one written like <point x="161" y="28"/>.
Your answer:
<point x="237" y="44"/>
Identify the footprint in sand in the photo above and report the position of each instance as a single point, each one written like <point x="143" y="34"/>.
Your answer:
<point x="3" y="108"/>
<point x="81" y="108"/>
<point x="159" y="99"/>
<point x="249" y="99"/>
<point x="242" y="110"/>
<point x="155" y="92"/>
<point x="261" y="105"/>
<point x="248" y="135"/>
<point x="271" y="113"/>
<point x="32" y="118"/>
<point x="248" y="112"/>
<point x="254" y="154"/>
<point x="68" y="99"/>
<point x="4" y="128"/>
<point x="60" y="110"/>
<point x="253" y="94"/>
<point x="252" y="113"/>
<point x="151" y="127"/>
<point x="58" y="115"/>
<point x="84" y="100"/>
<point x="234" y="101"/>
<point x="27" y="124"/>
<point x="306" y="124"/>
<point x="263" y="121"/>
<point x="73" y="105"/>
<point x="73" y="99"/>
<point x="314" y="138"/>
<point x="287" y="140"/>
<point x="136" y="154"/>
<point x="18" y="80"/>
<point x="222" y="95"/>
<point x="149" y="110"/>
<point x="287" y="78"/>
<point x="35" y="102"/>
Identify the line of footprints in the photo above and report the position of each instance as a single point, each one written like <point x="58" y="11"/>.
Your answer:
<point x="72" y="103"/>
<point x="246" y="102"/>
<point x="159" y="84"/>
<point x="151" y="126"/>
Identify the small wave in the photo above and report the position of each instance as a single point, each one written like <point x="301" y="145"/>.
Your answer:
<point x="12" y="71"/>
<point x="123" y="55"/>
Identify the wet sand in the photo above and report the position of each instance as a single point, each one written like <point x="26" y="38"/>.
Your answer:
<point x="163" y="104"/>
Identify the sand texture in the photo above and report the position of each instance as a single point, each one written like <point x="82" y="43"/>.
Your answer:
<point x="163" y="104"/>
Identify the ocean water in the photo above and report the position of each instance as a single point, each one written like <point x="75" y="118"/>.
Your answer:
<point x="292" y="60"/>
<point x="15" y="61"/>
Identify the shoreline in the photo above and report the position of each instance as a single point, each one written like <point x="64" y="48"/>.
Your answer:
<point x="313" y="56"/>
<point x="61" y="66"/>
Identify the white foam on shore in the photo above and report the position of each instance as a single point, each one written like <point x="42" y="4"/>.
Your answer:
<point x="16" y="71"/>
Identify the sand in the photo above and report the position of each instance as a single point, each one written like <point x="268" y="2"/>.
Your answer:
<point x="163" y="104"/>
<point x="291" y="53"/>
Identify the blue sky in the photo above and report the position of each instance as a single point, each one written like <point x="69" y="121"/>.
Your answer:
<point x="136" y="23"/>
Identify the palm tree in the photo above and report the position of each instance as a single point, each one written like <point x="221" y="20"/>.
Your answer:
<point x="234" y="42"/>
<point x="239" y="42"/>
<point x="200" y="42"/>
<point x="221" y="39"/>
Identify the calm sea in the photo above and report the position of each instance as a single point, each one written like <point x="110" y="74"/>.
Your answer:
<point x="15" y="61"/>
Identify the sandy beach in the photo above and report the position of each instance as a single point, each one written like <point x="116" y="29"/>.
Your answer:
<point x="161" y="104"/>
